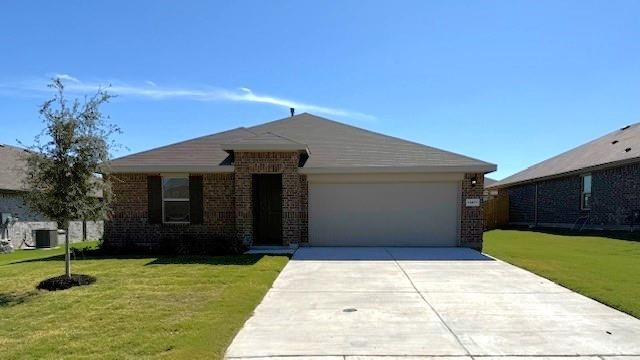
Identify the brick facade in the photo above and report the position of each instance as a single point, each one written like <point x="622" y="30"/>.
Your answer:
<point x="471" y="218"/>
<point x="615" y="196"/>
<point x="129" y="225"/>
<point x="227" y="201"/>
<point x="285" y="163"/>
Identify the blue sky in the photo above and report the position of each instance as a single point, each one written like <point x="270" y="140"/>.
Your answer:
<point x="511" y="82"/>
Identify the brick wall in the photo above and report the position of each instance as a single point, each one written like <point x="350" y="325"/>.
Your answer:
<point x="471" y="218"/>
<point x="521" y="203"/>
<point x="304" y="209"/>
<point x="615" y="197"/>
<point x="286" y="163"/>
<point x="129" y="225"/>
<point x="559" y="200"/>
<point x="228" y="205"/>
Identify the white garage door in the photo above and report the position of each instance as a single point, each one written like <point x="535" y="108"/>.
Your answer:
<point x="383" y="214"/>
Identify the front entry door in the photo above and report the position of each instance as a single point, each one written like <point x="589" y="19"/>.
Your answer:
<point x="267" y="209"/>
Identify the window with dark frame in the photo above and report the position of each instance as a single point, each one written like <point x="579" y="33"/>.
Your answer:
<point x="585" y="201"/>
<point x="175" y="199"/>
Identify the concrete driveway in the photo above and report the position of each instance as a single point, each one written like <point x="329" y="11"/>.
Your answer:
<point x="363" y="302"/>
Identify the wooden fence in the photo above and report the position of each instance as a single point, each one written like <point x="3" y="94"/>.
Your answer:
<point x="496" y="212"/>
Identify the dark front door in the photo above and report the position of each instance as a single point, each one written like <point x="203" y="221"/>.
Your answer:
<point x="267" y="209"/>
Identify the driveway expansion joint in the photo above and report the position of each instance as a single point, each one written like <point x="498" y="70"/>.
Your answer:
<point x="428" y="304"/>
<point x="490" y="307"/>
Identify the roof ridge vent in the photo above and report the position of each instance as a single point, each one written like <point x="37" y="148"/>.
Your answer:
<point x="625" y="128"/>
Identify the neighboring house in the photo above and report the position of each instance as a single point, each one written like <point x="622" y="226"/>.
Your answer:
<point x="24" y="220"/>
<point x="302" y="180"/>
<point x="594" y="186"/>
<point x="489" y="181"/>
<point x="489" y="193"/>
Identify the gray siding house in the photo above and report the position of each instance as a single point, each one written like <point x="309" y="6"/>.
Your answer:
<point x="20" y="221"/>
<point x="593" y="186"/>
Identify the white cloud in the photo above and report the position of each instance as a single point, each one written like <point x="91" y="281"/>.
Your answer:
<point x="66" y="77"/>
<point x="151" y="90"/>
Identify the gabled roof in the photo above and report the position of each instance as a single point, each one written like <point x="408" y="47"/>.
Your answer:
<point x="13" y="162"/>
<point x="265" y="141"/>
<point x="333" y="147"/>
<point x="619" y="146"/>
<point x="13" y="169"/>
<point x="489" y="181"/>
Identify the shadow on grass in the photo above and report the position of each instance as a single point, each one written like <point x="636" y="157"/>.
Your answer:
<point x="85" y="255"/>
<point x="97" y="254"/>
<point x="611" y="234"/>
<point x="207" y="260"/>
<point x="13" y="299"/>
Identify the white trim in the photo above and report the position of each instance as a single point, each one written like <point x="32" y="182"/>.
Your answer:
<point x="154" y="169"/>
<point x="399" y="169"/>
<point x="174" y="176"/>
<point x="582" y="192"/>
<point x="384" y="177"/>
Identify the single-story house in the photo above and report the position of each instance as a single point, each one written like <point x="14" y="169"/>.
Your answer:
<point x="301" y="180"/>
<point x="17" y="221"/>
<point x="593" y="186"/>
<point x="488" y="191"/>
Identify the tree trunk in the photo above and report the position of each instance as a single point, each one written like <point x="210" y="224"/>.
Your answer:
<point x="67" y="255"/>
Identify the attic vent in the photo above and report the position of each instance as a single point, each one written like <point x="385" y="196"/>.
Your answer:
<point x="627" y="149"/>
<point x="614" y="142"/>
<point x="626" y="127"/>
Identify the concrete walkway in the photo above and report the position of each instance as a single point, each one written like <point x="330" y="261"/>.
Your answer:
<point x="356" y="303"/>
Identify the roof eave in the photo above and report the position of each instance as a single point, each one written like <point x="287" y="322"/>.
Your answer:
<point x="484" y="168"/>
<point x="265" y="147"/>
<point x="153" y="169"/>
<point x="587" y="169"/>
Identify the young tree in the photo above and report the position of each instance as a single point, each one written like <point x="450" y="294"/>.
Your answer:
<point x="67" y="159"/>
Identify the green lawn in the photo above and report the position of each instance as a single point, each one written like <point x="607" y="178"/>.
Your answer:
<point x="606" y="269"/>
<point x="140" y="307"/>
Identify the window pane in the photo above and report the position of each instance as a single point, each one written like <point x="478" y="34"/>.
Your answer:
<point x="175" y="188"/>
<point x="176" y="211"/>
<point x="586" y="201"/>
<point x="586" y="184"/>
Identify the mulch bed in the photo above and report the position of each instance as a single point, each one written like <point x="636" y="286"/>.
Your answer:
<point x="63" y="282"/>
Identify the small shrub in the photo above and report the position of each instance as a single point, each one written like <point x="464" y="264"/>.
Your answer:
<point x="172" y="244"/>
<point x="199" y="244"/>
<point x="63" y="282"/>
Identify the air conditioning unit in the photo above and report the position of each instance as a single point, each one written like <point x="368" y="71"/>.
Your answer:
<point x="46" y="238"/>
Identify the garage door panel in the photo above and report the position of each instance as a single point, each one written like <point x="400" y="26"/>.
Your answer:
<point x="383" y="214"/>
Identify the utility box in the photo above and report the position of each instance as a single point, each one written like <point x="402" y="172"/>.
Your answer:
<point x="46" y="238"/>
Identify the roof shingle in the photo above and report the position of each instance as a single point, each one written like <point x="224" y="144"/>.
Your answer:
<point x="617" y="146"/>
<point x="330" y="143"/>
<point x="13" y="162"/>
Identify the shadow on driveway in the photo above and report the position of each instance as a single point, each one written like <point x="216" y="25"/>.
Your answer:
<point x="389" y="254"/>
